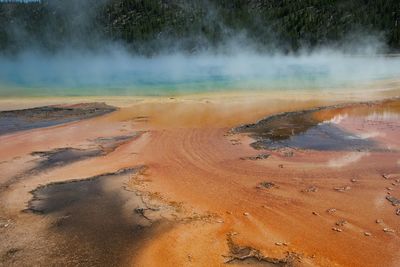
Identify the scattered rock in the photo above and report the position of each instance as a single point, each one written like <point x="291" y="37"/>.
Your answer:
<point x="11" y="252"/>
<point x="337" y="229"/>
<point x="249" y="255"/>
<point x="330" y="211"/>
<point x="281" y="244"/>
<point x="388" y="230"/>
<point x="310" y="189"/>
<point x="4" y="223"/>
<point x="341" y="223"/>
<point x="235" y="142"/>
<point x="288" y="154"/>
<point x="393" y="200"/>
<point x="267" y="185"/>
<point x="258" y="157"/>
<point x="342" y="189"/>
<point x="392" y="176"/>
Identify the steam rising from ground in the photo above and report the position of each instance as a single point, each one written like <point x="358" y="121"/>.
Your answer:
<point x="114" y="71"/>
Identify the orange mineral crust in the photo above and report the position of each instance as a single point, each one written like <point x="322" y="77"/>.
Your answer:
<point x="175" y="182"/>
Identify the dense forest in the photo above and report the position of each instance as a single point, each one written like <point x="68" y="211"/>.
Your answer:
<point x="151" y="26"/>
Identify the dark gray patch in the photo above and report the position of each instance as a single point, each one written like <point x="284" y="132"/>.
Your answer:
<point x="302" y="131"/>
<point x="67" y="155"/>
<point x="63" y="156"/>
<point x="91" y="220"/>
<point x="25" y="119"/>
<point x="393" y="200"/>
<point x="258" y="157"/>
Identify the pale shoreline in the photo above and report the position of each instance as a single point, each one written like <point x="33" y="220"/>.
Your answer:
<point x="377" y="91"/>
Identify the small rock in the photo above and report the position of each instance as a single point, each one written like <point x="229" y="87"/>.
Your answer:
<point x="259" y="157"/>
<point x="342" y="189"/>
<point x="341" y="223"/>
<point x="278" y="244"/>
<point x="389" y="188"/>
<point x="398" y="211"/>
<point x="315" y="213"/>
<point x="246" y="214"/>
<point x="337" y="229"/>
<point x="228" y="212"/>
<point x="220" y="221"/>
<point x="266" y="184"/>
<point x="288" y="154"/>
<point x="388" y="230"/>
<point x="310" y="189"/>
<point x="330" y="211"/>
<point x="385" y="176"/>
<point x="367" y="233"/>
<point x="379" y="221"/>
<point x="280" y="166"/>
<point x="353" y="180"/>
<point x="393" y="200"/>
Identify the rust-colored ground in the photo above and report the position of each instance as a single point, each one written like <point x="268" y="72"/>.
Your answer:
<point x="194" y="165"/>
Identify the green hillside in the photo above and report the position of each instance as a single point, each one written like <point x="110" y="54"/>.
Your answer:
<point x="151" y="26"/>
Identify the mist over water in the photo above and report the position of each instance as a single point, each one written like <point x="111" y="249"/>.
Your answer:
<point x="116" y="72"/>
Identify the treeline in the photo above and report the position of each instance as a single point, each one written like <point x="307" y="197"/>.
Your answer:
<point x="150" y="26"/>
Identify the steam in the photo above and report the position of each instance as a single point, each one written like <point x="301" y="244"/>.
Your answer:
<point x="116" y="71"/>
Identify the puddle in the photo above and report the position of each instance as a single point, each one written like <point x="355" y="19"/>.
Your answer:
<point x="319" y="129"/>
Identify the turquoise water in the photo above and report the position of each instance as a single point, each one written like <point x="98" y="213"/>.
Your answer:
<point x="121" y="74"/>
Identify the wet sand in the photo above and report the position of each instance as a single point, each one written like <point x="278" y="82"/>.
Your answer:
<point x="204" y="196"/>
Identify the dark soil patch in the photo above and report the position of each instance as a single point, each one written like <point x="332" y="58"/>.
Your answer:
<point x="25" y="119"/>
<point x="95" y="221"/>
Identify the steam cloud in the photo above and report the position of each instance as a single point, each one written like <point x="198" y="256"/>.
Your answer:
<point x="115" y="71"/>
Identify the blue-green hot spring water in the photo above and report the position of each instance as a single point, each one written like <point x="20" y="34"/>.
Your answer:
<point x="118" y="73"/>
